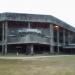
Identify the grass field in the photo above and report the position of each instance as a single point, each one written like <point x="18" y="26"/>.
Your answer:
<point x="43" y="66"/>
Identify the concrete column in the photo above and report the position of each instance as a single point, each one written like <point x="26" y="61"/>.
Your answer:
<point x="51" y="39"/>
<point x="64" y="43"/>
<point x="69" y="37"/>
<point x="3" y="38"/>
<point x="57" y="39"/>
<point x="31" y="49"/>
<point x="6" y="34"/>
<point x="28" y="25"/>
<point x="31" y="46"/>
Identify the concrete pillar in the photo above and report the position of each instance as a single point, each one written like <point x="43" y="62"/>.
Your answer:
<point x="2" y="39"/>
<point x="31" y="49"/>
<point x="30" y="46"/>
<point x="58" y="39"/>
<point x="6" y="34"/>
<point x="51" y="39"/>
<point x="69" y="37"/>
<point x="64" y="43"/>
<point x="28" y="25"/>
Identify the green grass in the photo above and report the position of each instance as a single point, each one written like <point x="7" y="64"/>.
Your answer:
<point x="42" y="66"/>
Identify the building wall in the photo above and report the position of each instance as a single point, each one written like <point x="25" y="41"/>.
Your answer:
<point x="49" y="35"/>
<point x="27" y="33"/>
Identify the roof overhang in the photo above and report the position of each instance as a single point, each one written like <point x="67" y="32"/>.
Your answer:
<point x="34" y="18"/>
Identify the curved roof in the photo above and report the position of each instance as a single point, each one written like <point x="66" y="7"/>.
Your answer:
<point x="34" y="18"/>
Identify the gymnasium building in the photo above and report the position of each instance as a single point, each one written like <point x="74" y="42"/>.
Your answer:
<point x="30" y="34"/>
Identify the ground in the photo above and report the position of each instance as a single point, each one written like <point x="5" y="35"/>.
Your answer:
<point x="55" y="65"/>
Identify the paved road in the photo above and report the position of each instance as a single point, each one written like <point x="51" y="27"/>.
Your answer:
<point x="31" y="57"/>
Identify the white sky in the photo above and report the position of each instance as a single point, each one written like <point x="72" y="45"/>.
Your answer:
<point x="62" y="9"/>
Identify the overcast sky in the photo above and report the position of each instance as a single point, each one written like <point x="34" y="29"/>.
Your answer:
<point x="62" y="9"/>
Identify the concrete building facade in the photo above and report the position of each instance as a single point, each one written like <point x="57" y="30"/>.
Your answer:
<point x="35" y="34"/>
